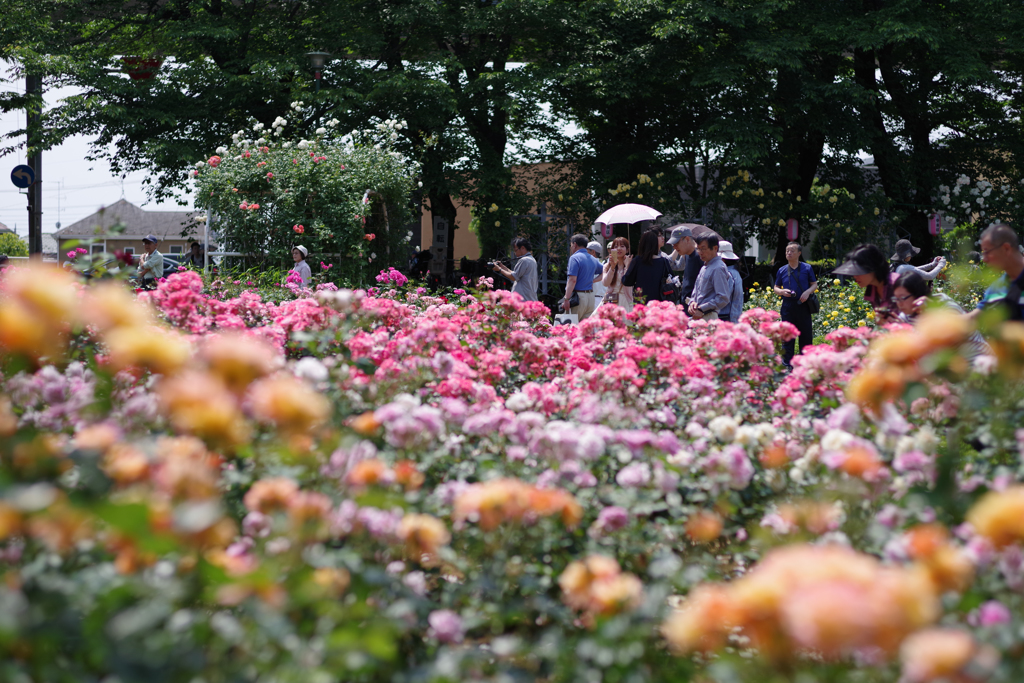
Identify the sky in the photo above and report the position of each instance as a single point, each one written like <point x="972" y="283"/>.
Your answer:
<point x="73" y="188"/>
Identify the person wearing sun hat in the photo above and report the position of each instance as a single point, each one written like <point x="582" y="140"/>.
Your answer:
<point x="731" y="313"/>
<point x="869" y="268"/>
<point x="299" y="254"/>
<point x="905" y="251"/>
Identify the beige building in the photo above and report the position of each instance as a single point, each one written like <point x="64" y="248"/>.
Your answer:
<point x="174" y="228"/>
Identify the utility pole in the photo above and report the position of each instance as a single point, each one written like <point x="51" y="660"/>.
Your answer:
<point x="34" y="142"/>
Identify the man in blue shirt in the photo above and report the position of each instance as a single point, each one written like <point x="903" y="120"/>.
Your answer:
<point x="795" y="282"/>
<point x="713" y="289"/>
<point x="583" y="270"/>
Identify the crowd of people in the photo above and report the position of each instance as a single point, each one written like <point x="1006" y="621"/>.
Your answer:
<point x="701" y="274"/>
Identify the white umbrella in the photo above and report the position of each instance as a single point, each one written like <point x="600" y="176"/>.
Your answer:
<point x="628" y="213"/>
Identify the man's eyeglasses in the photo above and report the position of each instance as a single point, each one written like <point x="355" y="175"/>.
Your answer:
<point x="985" y="252"/>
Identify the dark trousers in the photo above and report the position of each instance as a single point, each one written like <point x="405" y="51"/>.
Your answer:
<point x="799" y="315"/>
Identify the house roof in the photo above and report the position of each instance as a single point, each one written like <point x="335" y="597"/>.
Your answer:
<point x="138" y="223"/>
<point x="50" y="246"/>
<point x="4" y="228"/>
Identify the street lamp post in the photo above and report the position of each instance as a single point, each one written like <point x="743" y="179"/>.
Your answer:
<point x="317" y="60"/>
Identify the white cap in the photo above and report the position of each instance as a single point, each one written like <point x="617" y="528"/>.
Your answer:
<point x="305" y="252"/>
<point x="595" y="246"/>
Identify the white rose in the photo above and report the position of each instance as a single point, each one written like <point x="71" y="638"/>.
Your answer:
<point x="746" y="435"/>
<point x="926" y="439"/>
<point x="321" y="131"/>
<point x="724" y="428"/>
<point x="905" y="444"/>
<point x="200" y="164"/>
<point x="835" y="440"/>
<point x="312" y="369"/>
<point x="765" y="432"/>
<point x="302" y="144"/>
<point x="222" y="150"/>
<point x="518" y="402"/>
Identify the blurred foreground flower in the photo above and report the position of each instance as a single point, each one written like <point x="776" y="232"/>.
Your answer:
<point x="506" y="500"/>
<point x="598" y="586"/>
<point x="829" y="599"/>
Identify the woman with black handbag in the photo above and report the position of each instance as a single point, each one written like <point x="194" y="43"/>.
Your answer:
<point x="796" y="284"/>
<point x="648" y="271"/>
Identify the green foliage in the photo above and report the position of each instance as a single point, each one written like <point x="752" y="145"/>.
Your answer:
<point x="345" y="200"/>
<point x="12" y="245"/>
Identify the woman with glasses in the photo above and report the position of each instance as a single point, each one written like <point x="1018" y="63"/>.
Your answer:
<point x="869" y="268"/>
<point x="615" y="269"/>
<point x="910" y="295"/>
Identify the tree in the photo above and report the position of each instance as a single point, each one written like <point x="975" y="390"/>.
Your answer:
<point x="12" y="245"/>
<point x="462" y="74"/>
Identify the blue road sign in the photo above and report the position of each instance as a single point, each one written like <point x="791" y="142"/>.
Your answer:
<point x="22" y="176"/>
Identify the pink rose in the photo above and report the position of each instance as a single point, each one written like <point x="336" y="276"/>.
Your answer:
<point x="299" y="229"/>
<point x="213" y="161"/>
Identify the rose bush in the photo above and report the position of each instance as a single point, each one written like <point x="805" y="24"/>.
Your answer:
<point x="345" y="198"/>
<point x="403" y="486"/>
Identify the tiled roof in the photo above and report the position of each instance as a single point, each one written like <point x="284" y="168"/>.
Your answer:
<point x="50" y="246"/>
<point x="138" y="223"/>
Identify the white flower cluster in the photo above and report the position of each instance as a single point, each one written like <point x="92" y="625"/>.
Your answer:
<point x="240" y="140"/>
<point x="391" y="128"/>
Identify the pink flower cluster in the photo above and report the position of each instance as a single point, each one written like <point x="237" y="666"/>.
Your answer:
<point x="391" y="276"/>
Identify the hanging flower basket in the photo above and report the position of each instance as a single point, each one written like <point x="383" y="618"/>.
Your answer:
<point x="141" y="68"/>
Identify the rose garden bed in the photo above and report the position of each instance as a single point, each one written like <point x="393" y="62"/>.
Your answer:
<point x="209" y="486"/>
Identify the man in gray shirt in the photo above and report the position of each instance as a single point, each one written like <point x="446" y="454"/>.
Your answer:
<point x="524" y="274"/>
<point x="713" y="290"/>
<point x="151" y="264"/>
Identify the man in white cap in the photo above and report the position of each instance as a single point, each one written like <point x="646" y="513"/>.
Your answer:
<point x="151" y="264"/>
<point x="731" y="313"/>
<point x="686" y="259"/>
<point x="299" y="254"/>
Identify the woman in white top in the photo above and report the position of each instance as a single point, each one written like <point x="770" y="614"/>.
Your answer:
<point x="299" y="254"/>
<point x="614" y="269"/>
